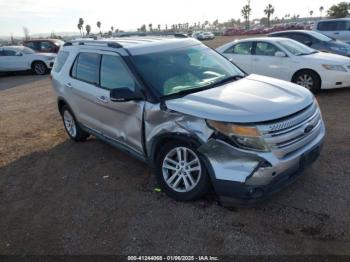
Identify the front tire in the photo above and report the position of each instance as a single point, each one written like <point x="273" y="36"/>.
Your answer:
<point x="181" y="173"/>
<point x="308" y="79"/>
<point x="39" y="68"/>
<point x="72" y="127"/>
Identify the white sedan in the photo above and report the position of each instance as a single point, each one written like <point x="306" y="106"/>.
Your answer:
<point x="20" y="58"/>
<point x="289" y="60"/>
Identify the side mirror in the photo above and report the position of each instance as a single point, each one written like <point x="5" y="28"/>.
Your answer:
<point x="124" y="94"/>
<point x="280" y="54"/>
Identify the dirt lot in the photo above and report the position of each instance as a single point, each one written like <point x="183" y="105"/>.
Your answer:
<point x="61" y="197"/>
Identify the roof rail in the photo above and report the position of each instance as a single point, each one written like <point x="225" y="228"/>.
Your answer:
<point x="127" y="34"/>
<point x="94" y="43"/>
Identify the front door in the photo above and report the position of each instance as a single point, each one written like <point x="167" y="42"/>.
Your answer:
<point x="122" y="121"/>
<point x="265" y="62"/>
<point x="240" y="54"/>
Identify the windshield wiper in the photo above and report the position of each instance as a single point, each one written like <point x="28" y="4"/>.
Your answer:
<point x="313" y="52"/>
<point x="195" y="90"/>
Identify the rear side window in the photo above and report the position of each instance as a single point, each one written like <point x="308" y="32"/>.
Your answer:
<point x="86" y="67"/>
<point x="114" y="73"/>
<point x="244" y="48"/>
<point x="60" y="61"/>
<point x="265" y="49"/>
<point x="334" y="26"/>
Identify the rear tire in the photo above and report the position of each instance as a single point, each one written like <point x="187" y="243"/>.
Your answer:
<point x="308" y="79"/>
<point x="181" y="173"/>
<point x="74" y="131"/>
<point x="39" y="68"/>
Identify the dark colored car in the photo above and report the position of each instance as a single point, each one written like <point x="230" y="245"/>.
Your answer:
<point x="316" y="40"/>
<point x="44" y="45"/>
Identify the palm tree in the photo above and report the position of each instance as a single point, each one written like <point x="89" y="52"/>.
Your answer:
<point x="159" y="28"/>
<point x="269" y="10"/>
<point x="80" y="26"/>
<point x="311" y="13"/>
<point x="112" y="29"/>
<point x="99" y="26"/>
<point x="150" y="27"/>
<point x="246" y="10"/>
<point x="88" y="29"/>
<point x="321" y="11"/>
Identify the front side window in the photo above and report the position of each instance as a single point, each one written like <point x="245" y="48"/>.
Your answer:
<point x="265" y="49"/>
<point x="114" y="73"/>
<point x="343" y="26"/>
<point x="244" y="48"/>
<point x="45" y="46"/>
<point x="33" y="45"/>
<point x="9" y="52"/>
<point x="187" y="70"/>
<point x="86" y="67"/>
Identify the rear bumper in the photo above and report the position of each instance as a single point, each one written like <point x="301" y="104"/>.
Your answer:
<point x="246" y="178"/>
<point x="335" y="80"/>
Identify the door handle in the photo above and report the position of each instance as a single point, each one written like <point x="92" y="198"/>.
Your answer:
<point x="69" y="85"/>
<point x="256" y="59"/>
<point x="102" y="99"/>
<point x="336" y="33"/>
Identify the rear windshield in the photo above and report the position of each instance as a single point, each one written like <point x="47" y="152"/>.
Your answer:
<point x="60" y="60"/>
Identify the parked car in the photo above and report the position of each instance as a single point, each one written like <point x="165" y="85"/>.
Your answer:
<point x="316" y="40"/>
<point x="336" y="28"/>
<point x="203" y="35"/>
<point x="44" y="45"/>
<point x="20" y="58"/>
<point x="190" y="113"/>
<point x="289" y="60"/>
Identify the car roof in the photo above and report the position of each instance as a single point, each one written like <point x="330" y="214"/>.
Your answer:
<point x="137" y="44"/>
<point x="271" y="39"/>
<point x="14" y="47"/>
<point x="334" y="19"/>
<point x="39" y="40"/>
<point x="290" y="31"/>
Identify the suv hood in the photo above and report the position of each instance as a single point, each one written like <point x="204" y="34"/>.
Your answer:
<point x="254" y="98"/>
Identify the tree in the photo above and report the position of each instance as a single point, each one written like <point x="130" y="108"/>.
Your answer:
<point x="269" y="10"/>
<point x="26" y="33"/>
<point x="321" y="10"/>
<point x="158" y="27"/>
<point x="246" y="11"/>
<point x="88" y="29"/>
<point x="143" y="28"/>
<point x="99" y="26"/>
<point x="311" y="13"/>
<point x="80" y="26"/>
<point x="150" y="27"/>
<point x="112" y="29"/>
<point x="340" y="10"/>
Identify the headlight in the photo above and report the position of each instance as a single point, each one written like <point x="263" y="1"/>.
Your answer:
<point x="335" y="67"/>
<point x="246" y="137"/>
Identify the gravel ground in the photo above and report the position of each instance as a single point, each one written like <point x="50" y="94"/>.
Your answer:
<point x="61" y="197"/>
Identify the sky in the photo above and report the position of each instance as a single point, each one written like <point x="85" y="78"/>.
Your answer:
<point x="46" y="16"/>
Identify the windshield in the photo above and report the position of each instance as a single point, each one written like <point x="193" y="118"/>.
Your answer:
<point x="320" y="37"/>
<point x="296" y="48"/>
<point x="188" y="69"/>
<point x="27" y="51"/>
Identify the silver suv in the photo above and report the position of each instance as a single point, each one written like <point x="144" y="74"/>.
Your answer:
<point x="189" y="113"/>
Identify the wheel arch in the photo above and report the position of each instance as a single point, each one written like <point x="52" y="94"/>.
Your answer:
<point x="161" y="140"/>
<point x="60" y="103"/>
<point x="36" y="61"/>
<point x="306" y="69"/>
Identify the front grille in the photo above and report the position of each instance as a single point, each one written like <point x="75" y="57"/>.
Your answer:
<point x="289" y="134"/>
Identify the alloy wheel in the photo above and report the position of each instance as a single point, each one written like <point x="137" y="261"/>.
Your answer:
<point x="306" y="81"/>
<point x="181" y="169"/>
<point x="69" y="123"/>
<point x="39" y="68"/>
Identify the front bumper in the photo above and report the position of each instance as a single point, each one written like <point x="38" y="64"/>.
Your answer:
<point x="335" y="79"/>
<point x="240" y="177"/>
<point x="49" y="63"/>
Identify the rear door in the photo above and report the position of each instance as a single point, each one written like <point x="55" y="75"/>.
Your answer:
<point x="241" y="55"/>
<point x="265" y="62"/>
<point x="122" y="121"/>
<point x="83" y="91"/>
